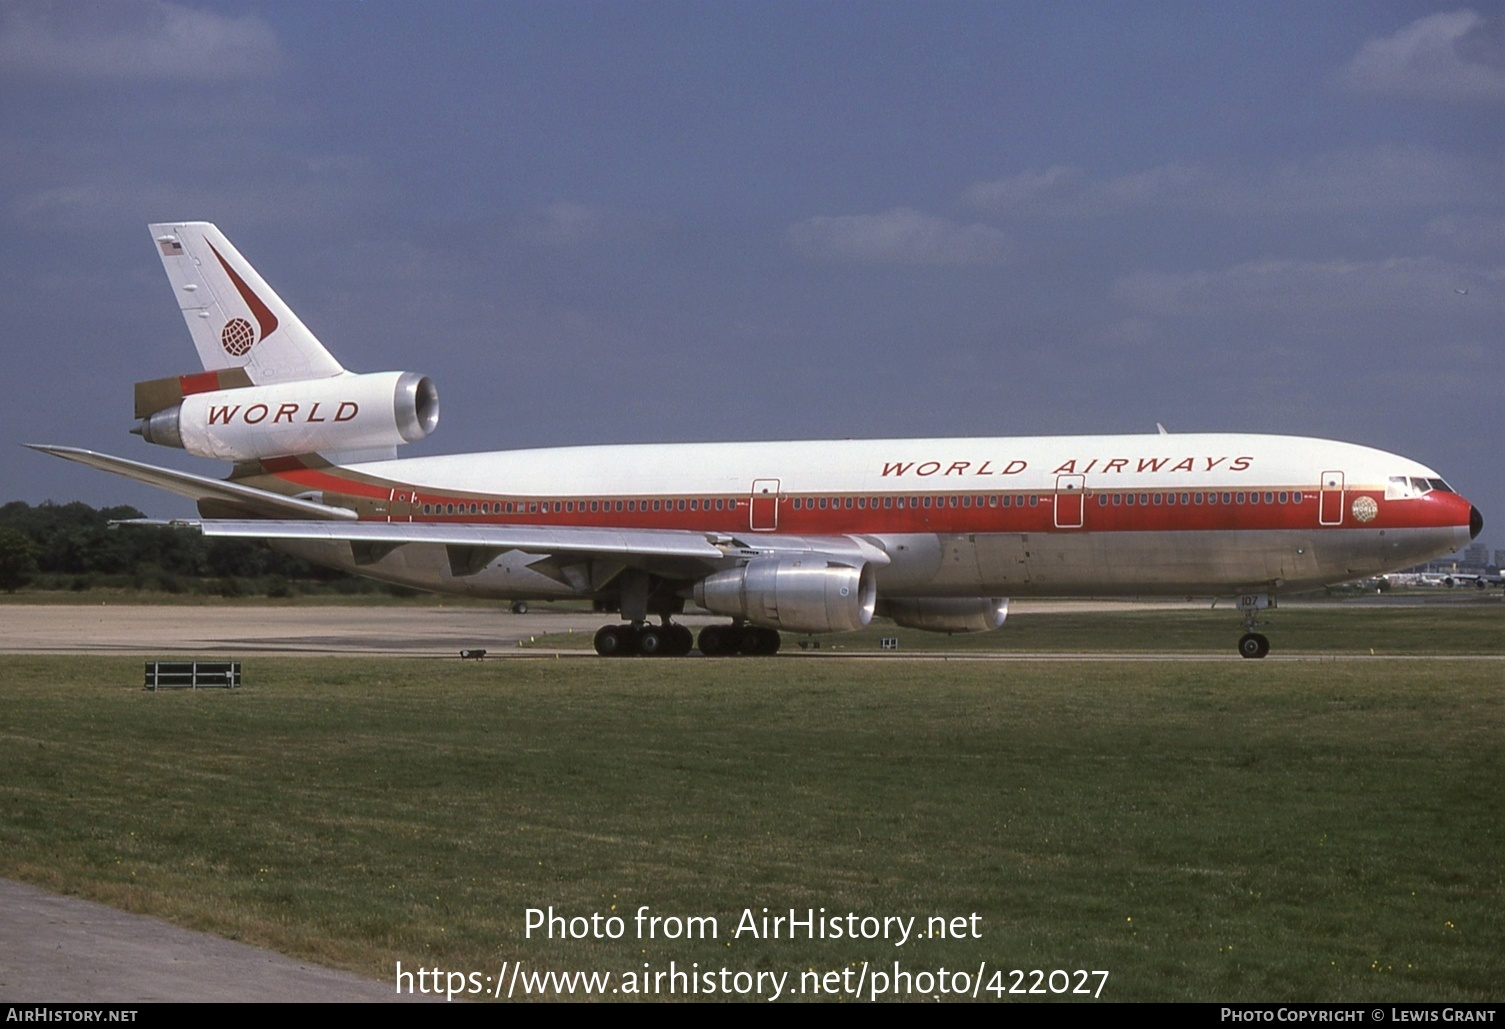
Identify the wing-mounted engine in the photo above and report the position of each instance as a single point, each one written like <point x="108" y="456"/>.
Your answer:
<point x="808" y="593"/>
<point x="947" y="614"/>
<point x="214" y="415"/>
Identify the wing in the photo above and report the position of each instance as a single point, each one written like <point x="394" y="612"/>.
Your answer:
<point x="229" y="495"/>
<point x="680" y="554"/>
<point x="675" y="553"/>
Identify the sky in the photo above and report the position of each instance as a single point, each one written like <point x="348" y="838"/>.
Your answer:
<point x="671" y="221"/>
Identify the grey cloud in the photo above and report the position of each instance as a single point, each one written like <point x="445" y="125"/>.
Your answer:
<point x="568" y="224"/>
<point x="1290" y="289"/>
<point x="138" y="39"/>
<point x="1458" y="55"/>
<point x="1382" y="176"/>
<point x="1473" y="235"/>
<point x="282" y="191"/>
<point x="899" y="236"/>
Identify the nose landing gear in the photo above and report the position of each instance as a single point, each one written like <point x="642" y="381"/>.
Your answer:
<point x="1253" y="644"/>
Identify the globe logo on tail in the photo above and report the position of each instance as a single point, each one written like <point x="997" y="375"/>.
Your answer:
<point x="237" y="337"/>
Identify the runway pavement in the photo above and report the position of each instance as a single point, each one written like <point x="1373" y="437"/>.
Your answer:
<point x="170" y="629"/>
<point x="164" y="630"/>
<point x="64" y="950"/>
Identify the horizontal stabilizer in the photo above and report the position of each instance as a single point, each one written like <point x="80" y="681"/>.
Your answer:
<point x="198" y="487"/>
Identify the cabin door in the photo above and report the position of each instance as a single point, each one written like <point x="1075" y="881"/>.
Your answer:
<point x="400" y="506"/>
<point x="1070" y="496"/>
<point x="1330" y="506"/>
<point x="763" y="511"/>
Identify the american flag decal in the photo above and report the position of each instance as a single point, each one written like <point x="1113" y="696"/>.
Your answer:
<point x="170" y="247"/>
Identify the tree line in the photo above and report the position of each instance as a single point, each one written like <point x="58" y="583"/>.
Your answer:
<point x="74" y="547"/>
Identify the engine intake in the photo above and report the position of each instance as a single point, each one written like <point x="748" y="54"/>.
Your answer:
<point x="801" y="594"/>
<point x="345" y="412"/>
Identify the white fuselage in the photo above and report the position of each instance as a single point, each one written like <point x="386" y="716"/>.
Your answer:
<point x="1011" y="516"/>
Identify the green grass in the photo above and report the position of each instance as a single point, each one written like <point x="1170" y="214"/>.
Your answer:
<point x="1202" y="830"/>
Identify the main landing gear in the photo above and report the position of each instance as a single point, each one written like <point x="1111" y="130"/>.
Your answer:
<point x="669" y="640"/>
<point x="723" y="640"/>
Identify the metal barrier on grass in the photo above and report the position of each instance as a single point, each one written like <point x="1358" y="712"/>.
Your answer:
<point x="192" y="675"/>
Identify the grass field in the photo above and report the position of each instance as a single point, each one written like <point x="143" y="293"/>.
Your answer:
<point x="1228" y="830"/>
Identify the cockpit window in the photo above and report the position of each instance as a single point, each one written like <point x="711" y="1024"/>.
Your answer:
<point x="1403" y="487"/>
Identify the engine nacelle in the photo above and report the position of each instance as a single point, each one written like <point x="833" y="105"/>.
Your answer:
<point x="801" y="594"/>
<point x="947" y="614"/>
<point x="345" y="412"/>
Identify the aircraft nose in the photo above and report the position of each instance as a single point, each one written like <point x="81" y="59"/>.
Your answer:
<point x="1475" y="522"/>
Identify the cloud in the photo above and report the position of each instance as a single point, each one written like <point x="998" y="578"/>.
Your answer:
<point x="1301" y="290"/>
<point x="899" y="236"/>
<point x="134" y="39"/>
<point x="1481" y="236"/>
<point x="567" y="224"/>
<point x="1458" y="55"/>
<point x="1379" y="177"/>
<point x="278" y="190"/>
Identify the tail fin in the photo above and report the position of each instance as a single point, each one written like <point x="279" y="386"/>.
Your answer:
<point x="234" y="317"/>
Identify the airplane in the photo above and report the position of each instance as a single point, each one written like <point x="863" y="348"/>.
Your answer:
<point x="805" y="537"/>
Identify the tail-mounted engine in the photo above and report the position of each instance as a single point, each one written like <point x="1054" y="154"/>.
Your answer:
<point x="234" y="421"/>
<point x="801" y="594"/>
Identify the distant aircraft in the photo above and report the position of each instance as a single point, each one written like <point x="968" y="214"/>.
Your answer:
<point x="807" y="537"/>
